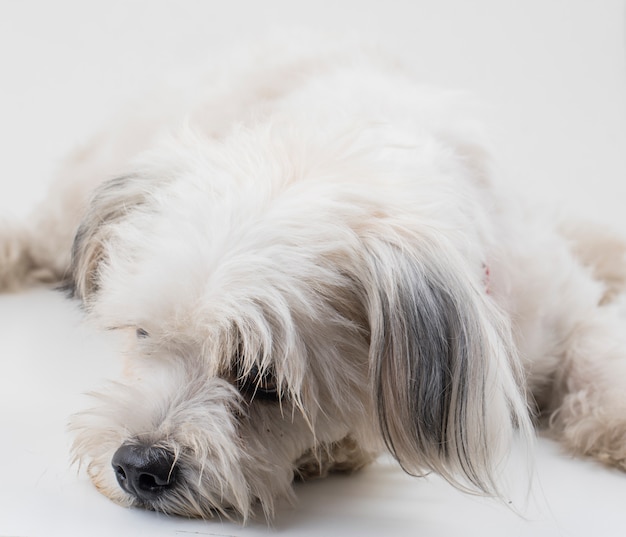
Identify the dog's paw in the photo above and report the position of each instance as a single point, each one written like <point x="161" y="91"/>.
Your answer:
<point x="595" y="431"/>
<point x="18" y="268"/>
<point x="344" y="456"/>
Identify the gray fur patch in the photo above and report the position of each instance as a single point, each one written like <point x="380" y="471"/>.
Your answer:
<point x="112" y="202"/>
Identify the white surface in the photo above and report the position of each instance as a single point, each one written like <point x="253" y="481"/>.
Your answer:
<point x="554" y="74"/>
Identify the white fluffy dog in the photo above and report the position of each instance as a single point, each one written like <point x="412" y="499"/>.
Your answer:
<point x="315" y="265"/>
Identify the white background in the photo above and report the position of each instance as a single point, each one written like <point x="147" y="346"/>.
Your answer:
<point x="554" y="76"/>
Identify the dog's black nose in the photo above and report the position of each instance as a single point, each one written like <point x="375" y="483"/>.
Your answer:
<point x="146" y="472"/>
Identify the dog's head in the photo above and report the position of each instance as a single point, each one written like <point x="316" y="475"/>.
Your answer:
<point x="292" y="310"/>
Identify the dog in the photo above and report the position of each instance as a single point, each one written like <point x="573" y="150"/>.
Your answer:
<point x="314" y="263"/>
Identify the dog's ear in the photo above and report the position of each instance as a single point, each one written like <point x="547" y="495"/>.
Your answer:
<point x="110" y="204"/>
<point x="442" y="364"/>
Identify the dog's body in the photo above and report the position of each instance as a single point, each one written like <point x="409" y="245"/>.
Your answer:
<point x="315" y="263"/>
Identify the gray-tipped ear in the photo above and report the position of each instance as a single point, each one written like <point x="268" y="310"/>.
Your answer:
<point x="443" y="367"/>
<point x="111" y="203"/>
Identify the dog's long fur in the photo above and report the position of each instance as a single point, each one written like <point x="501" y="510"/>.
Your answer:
<point x="324" y="226"/>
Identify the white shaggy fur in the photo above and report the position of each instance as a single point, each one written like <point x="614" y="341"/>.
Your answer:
<point x="315" y="263"/>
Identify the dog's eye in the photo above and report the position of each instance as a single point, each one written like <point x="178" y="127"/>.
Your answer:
<point x="259" y="385"/>
<point x="141" y="333"/>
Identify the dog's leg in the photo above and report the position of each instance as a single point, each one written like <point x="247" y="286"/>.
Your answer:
<point x="588" y="407"/>
<point x="37" y="251"/>
<point x="565" y="295"/>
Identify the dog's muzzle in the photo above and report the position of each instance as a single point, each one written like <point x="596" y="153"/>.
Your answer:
<point x="146" y="472"/>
